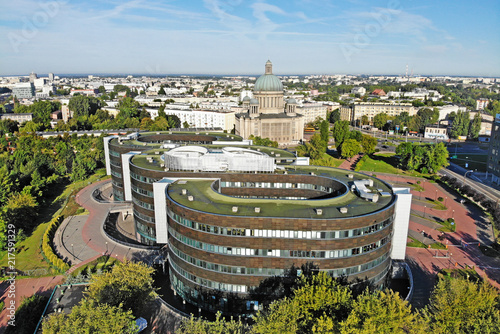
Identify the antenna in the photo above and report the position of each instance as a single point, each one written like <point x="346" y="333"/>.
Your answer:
<point x="406" y="75"/>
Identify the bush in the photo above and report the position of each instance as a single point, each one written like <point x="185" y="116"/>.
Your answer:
<point x="47" y="249"/>
<point x="440" y="199"/>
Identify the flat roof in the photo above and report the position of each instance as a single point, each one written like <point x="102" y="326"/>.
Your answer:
<point x="208" y="200"/>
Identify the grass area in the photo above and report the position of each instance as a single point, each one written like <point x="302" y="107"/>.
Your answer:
<point x="415" y="243"/>
<point x="449" y="225"/>
<point x="328" y="161"/>
<point x="438" y="245"/>
<point x="28" y="252"/>
<point x="438" y="205"/>
<point x="385" y="163"/>
<point x="473" y="161"/>
<point x="207" y="199"/>
<point x="468" y="273"/>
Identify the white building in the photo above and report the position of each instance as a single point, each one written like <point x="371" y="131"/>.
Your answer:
<point x="358" y="90"/>
<point x="481" y="104"/>
<point x="201" y="118"/>
<point x="25" y="90"/>
<point x="311" y="111"/>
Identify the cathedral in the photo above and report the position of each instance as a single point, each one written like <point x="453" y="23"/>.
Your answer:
<point x="268" y="115"/>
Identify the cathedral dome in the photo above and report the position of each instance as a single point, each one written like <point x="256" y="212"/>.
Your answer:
<point x="268" y="82"/>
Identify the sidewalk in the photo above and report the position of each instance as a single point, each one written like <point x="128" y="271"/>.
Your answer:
<point x="350" y="164"/>
<point x="81" y="238"/>
<point x="472" y="228"/>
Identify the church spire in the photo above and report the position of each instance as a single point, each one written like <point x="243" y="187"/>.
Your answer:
<point x="269" y="67"/>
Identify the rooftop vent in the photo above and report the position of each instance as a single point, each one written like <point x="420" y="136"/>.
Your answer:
<point x="319" y="212"/>
<point x="184" y="191"/>
<point x="351" y="176"/>
<point x="343" y="210"/>
<point x="182" y="182"/>
<point x="312" y="173"/>
<point x="278" y="155"/>
<point x="157" y="152"/>
<point x="157" y="133"/>
<point x="145" y="144"/>
<point x="190" y="198"/>
<point x="257" y="210"/>
<point x="235" y="209"/>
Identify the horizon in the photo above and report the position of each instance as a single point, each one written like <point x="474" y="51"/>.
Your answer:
<point x="222" y="37"/>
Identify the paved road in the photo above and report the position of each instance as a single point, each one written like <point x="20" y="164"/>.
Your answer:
<point x="459" y="172"/>
<point x="86" y="235"/>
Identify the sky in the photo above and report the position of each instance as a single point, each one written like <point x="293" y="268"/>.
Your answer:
<point x="153" y="37"/>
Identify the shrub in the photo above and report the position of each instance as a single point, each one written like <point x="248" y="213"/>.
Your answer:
<point x="47" y="250"/>
<point x="440" y="199"/>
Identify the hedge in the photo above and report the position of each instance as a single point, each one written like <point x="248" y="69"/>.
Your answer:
<point x="47" y="249"/>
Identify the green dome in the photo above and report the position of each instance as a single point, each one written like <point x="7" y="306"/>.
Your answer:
<point x="268" y="83"/>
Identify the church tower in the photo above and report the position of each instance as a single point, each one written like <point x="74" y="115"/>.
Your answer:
<point x="269" y="67"/>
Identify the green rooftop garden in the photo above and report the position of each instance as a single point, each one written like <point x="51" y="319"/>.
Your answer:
<point x="208" y="200"/>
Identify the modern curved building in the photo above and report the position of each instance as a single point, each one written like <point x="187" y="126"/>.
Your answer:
<point x="233" y="214"/>
<point x="268" y="115"/>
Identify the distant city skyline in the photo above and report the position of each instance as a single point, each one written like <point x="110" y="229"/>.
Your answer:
<point x="221" y="37"/>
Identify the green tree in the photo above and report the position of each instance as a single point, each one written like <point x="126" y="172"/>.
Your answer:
<point x="324" y="131"/>
<point x="364" y="120"/>
<point x="461" y="306"/>
<point x="319" y="302"/>
<point x="161" y="91"/>
<point x="128" y="285"/>
<point x="334" y="116"/>
<point x="185" y="125"/>
<point x="368" y="144"/>
<point x="460" y="125"/>
<point x="436" y="157"/>
<point x="91" y="318"/>
<point x="382" y="312"/>
<point x="84" y="105"/>
<point x="101" y="89"/>
<point x="340" y="133"/>
<point x="350" y="147"/>
<point x="380" y="120"/>
<point x="475" y="126"/>
<point x="21" y="210"/>
<point x="129" y="108"/>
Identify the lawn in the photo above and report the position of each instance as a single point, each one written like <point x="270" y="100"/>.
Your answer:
<point x="28" y="251"/>
<point x="473" y="161"/>
<point x="449" y="225"/>
<point x="385" y="163"/>
<point x="415" y="243"/>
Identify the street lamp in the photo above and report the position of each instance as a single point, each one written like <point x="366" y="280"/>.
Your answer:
<point x="453" y="214"/>
<point x="436" y="198"/>
<point x="425" y="208"/>
<point x="465" y="175"/>
<point x="106" y="247"/>
<point x="73" y="251"/>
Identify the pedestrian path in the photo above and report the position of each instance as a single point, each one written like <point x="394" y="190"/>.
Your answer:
<point x="350" y="164"/>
